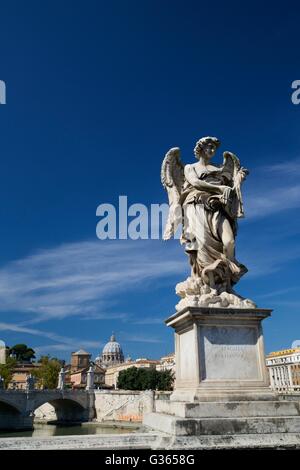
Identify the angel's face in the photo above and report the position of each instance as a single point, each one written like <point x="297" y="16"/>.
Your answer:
<point x="209" y="150"/>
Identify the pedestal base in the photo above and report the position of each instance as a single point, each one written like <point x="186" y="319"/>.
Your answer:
<point x="233" y="424"/>
<point x="222" y="384"/>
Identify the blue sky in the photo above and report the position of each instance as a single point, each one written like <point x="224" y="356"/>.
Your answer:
<point x="97" y="92"/>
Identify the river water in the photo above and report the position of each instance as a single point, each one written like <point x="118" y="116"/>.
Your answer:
<point x="47" y="430"/>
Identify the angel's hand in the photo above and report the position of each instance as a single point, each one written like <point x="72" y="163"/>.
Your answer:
<point x="226" y="192"/>
<point x="224" y="189"/>
<point x="243" y="172"/>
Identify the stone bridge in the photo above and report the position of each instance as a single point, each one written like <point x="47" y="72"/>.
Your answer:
<point x="17" y="407"/>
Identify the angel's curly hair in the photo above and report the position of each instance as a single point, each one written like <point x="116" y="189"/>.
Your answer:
<point x="200" y="144"/>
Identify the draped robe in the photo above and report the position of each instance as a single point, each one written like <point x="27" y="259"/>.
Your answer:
<point x="203" y="215"/>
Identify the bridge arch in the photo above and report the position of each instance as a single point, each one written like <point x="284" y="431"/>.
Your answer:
<point x="6" y="407"/>
<point x="60" y="410"/>
<point x="12" y="418"/>
<point x="10" y="404"/>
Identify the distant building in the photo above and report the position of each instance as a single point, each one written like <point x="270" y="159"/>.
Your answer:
<point x="76" y="372"/>
<point x="20" y="373"/>
<point x="80" y="360"/>
<point x="284" y="369"/>
<point x="167" y="363"/>
<point x="78" y="379"/>
<point x="112" y="354"/>
<point x="2" y="352"/>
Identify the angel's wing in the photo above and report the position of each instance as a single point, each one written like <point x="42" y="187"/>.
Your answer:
<point x="231" y="165"/>
<point x="235" y="174"/>
<point x="172" y="178"/>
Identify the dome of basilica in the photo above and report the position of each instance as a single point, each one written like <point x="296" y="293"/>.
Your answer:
<point x="112" y="346"/>
<point x="112" y="353"/>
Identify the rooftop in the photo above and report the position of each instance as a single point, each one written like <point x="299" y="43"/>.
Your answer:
<point x="81" y="352"/>
<point x="284" y="352"/>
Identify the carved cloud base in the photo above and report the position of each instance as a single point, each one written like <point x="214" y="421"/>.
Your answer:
<point x="195" y="295"/>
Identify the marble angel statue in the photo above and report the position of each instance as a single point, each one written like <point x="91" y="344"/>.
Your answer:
<point x="207" y="200"/>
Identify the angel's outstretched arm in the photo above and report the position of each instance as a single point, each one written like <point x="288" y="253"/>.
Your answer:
<point x="192" y="178"/>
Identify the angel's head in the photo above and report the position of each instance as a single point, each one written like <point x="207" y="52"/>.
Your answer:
<point x="206" y="147"/>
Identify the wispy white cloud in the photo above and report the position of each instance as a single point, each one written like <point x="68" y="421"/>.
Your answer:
<point x="273" y="188"/>
<point x="137" y="338"/>
<point x="69" y="344"/>
<point x="65" y="343"/>
<point x="289" y="304"/>
<point x="149" y="321"/>
<point x="287" y="167"/>
<point x="266" y="260"/>
<point x="62" y="347"/>
<point x="84" y="278"/>
<point x="279" y="292"/>
<point x="123" y="317"/>
<point x="272" y="200"/>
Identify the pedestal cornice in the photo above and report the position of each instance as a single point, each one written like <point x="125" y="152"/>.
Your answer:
<point x="197" y="313"/>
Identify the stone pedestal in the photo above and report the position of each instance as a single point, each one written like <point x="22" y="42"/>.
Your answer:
<point x="222" y="385"/>
<point x="219" y="354"/>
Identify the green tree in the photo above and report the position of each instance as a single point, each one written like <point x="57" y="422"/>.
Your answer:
<point x="165" y="380"/>
<point x="47" y="373"/>
<point x="22" y="353"/>
<point x="7" y="369"/>
<point x="135" y="378"/>
<point x="61" y="361"/>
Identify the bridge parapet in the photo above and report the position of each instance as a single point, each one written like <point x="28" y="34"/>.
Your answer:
<point x="70" y="405"/>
